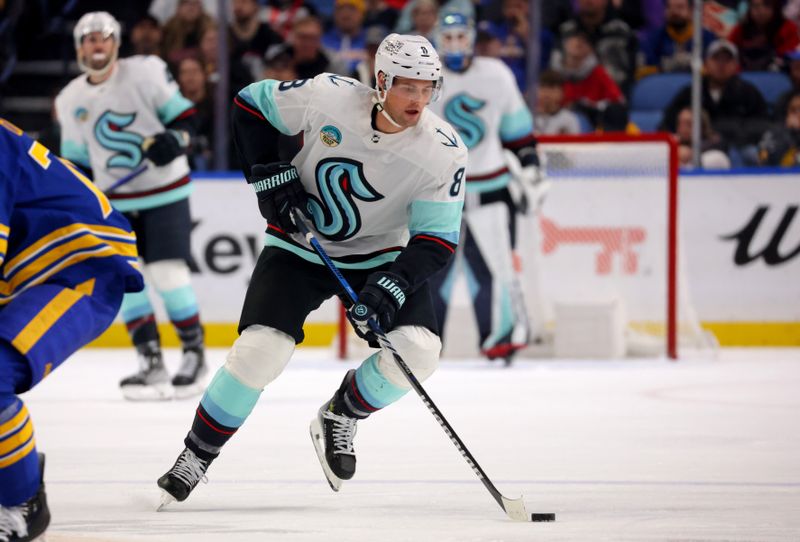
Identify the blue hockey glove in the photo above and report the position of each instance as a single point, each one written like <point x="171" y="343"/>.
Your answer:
<point x="163" y="148"/>
<point x="380" y="298"/>
<point x="279" y="189"/>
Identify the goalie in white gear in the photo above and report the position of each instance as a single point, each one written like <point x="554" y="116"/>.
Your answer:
<point x="482" y="102"/>
<point x="117" y="117"/>
<point x="381" y="179"/>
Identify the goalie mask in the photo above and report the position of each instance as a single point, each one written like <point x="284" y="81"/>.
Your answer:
<point x="455" y="40"/>
<point x="407" y="56"/>
<point x="107" y="26"/>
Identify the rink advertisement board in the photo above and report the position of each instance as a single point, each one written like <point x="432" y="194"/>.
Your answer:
<point x="741" y="248"/>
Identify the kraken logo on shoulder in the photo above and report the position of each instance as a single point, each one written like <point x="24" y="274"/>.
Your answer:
<point x="340" y="181"/>
<point x="127" y="146"/>
<point x="461" y="112"/>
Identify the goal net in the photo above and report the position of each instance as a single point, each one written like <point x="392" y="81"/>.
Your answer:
<point x="601" y="260"/>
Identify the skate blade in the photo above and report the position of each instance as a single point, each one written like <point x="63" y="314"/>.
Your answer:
<point x="166" y="499"/>
<point x="316" y="437"/>
<point x="156" y="392"/>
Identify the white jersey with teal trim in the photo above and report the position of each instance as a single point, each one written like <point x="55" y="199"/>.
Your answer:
<point x="369" y="191"/>
<point x="485" y="106"/>
<point x="103" y="127"/>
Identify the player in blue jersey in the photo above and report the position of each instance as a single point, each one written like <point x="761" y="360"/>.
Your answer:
<point x="66" y="259"/>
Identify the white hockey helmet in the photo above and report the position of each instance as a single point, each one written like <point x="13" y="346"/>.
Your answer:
<point x="108" y="26"/>
<point x="413" y="57"/>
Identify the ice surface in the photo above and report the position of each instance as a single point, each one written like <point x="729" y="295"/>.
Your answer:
<point x="620" y="451"/>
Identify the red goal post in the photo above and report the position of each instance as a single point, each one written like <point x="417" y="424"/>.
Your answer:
<point x="612" y="159"/>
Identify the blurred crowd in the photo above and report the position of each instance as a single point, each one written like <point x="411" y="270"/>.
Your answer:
<point x="592" y="55"/>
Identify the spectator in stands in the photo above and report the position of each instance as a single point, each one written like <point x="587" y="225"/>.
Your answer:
<point x="283" y="14"/>
<point x="643" y="16"/>
<point x="780" y="145"/>
<point x="365" y="70"/>
<point x="736" y="108"/>
<point x="669" y="48"/>
<point x="182" y="32"/>
<point x="764" y="36"/>
<point x="345" y="39"/>
<point x="512" y="31"/>
<point x="379" y="13"/>
<point x="792" y="66"/>
<point x="611" y="37"/>
<point x="588" y="88"/>
<point x="194" y="86"/>
<point x="424" y="14"/>
<point x="720" y="16"/>
<point x="238" y="75"/>
<point x="308" y="56"/>
<point x="163" y="10"/>
<point x="146" y="37"/>
<point x="250" y="37"/>
<point x="551" y="117"/>
<point x="712" y="148"/>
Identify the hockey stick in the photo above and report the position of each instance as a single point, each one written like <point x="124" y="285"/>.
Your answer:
<point x="127" y="178"/>
<point x="514" y="508"/>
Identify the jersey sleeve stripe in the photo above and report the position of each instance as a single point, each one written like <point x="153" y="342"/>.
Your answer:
<point x="438" y="240"/>
<point x="441" y="219"/>
<point x="248" y="109"/>
<point x="173" y="108"/>
<point x="75" y="152"/>
<point x="516" y="125"/>
<point x="261" y="96"/>
<point x="61" y="234"/>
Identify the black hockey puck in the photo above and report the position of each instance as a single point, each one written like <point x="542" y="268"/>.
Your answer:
<point x="543" y="517"/>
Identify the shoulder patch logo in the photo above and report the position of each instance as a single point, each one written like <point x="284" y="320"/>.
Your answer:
<point x="81" y="114"/>
<point x="330" y="135"/>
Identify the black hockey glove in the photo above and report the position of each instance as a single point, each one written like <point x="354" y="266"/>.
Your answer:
<point x="279" y="189"/>
<point x="380" y="298"/>
<point x="163" y="148"/>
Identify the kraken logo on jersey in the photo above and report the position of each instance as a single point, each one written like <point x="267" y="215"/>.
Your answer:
<point x="127" y="146"/>
<point x="339" y="180"/>
<point x="460" y="111"/>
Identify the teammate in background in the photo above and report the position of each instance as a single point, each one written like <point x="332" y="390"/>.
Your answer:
<point x="118" y="116"/>
<point x="381" y="177"/>
<point x="66" y="259"/>
<point x="482" y="102"/>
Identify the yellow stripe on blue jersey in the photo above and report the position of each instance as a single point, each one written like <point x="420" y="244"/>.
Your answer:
<point x="4" y="230"/>
<point x="16" y="438"/>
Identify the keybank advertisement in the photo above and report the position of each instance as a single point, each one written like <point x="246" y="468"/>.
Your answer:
<point x="741" y="244"/>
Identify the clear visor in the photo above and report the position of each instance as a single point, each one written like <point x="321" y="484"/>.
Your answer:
<point x="455" y="41"/>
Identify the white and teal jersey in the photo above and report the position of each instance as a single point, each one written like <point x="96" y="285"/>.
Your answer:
<point x="486" y="108"/>
<point x="369" y="192"/>
<point x="103" y="127"/>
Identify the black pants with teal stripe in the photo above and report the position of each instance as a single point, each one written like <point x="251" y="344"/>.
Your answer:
<point x="39" y="329"/>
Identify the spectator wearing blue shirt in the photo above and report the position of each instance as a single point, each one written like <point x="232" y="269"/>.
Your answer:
<point x="669" y="48"/>
<point x="345" y="40"/>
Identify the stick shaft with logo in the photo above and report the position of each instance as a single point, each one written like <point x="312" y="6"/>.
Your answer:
<point x="514" y="508"/>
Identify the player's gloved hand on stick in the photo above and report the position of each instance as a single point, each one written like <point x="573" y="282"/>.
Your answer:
<point x="279" y="189"/>
<point x="380" y="298"/>
<point x="163" y="148"/>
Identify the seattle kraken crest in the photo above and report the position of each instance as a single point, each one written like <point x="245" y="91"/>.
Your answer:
<point x="339" y="180"/>
<point x="460" y="113"/>
<point x="110" y="133"/>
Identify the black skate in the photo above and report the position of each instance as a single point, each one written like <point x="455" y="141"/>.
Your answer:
<point x="188" y="381"/>
<point x="28" y="521"/>
<point x="332" y="434"/>
<point x="151" y="383"/>
<point x="182" y="478"/>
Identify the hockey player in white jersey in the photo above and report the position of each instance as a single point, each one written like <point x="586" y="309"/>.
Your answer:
<point x="381" y="179"/>
<point x="123" y="115"/>
<point x="482" y="102"/>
